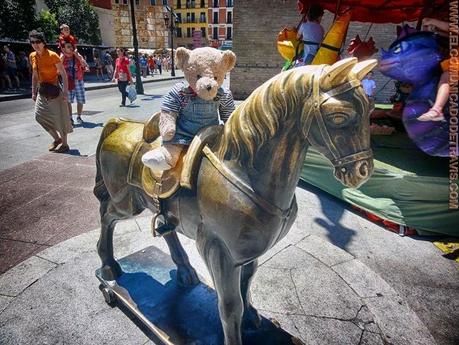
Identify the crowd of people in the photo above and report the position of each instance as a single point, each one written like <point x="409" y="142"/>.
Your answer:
<point x="58" y="79"/>
<point x="14" y="69"/>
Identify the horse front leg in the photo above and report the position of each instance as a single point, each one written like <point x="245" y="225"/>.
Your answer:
<point x="186" y="274"/>
<point x="110" y="269"/>
<point x="251" y="318"/>
<point x="227" y="281"/>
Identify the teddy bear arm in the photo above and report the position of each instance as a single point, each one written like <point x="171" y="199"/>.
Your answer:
<point x="167" y="125"/>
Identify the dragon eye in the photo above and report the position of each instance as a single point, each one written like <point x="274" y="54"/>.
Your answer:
<point x="397" y="50"/>
<point x="215" y="78"/>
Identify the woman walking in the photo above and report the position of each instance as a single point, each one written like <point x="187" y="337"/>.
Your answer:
<point x="51" y="110"/>
<point x="122" y="74"/>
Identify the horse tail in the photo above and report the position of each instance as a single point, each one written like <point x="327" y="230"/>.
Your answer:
<point x="100" y="190"/>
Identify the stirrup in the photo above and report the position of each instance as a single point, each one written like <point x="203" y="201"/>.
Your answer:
<point x="159" y="225"/>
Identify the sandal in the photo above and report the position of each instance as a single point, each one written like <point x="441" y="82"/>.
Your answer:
<point x="432" y="115"/>
<point x="62" y="149"/>
<point x="54" y="144"/>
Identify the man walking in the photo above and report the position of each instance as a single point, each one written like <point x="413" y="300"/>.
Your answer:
<point x="108" y="62"/>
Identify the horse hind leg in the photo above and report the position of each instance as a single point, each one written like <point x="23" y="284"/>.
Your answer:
<point x="186" y="274"/>
<point x="251" y="318"/>
<point x="227" y="281"/>
<point x="110" y="269"/>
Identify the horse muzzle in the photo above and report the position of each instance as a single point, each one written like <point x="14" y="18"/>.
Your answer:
<point x="354" y="174"/>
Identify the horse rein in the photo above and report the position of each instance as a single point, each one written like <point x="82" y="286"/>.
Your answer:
<point x="265" y="204"/>
<point x="336" y="159"/>
<point x="245" y="188"/>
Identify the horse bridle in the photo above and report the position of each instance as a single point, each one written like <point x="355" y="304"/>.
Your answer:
<point x="267" y="205"/>
<point x="316" y="111"/>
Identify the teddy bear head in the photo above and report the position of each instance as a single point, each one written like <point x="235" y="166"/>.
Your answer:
<point x="205" y="69"/>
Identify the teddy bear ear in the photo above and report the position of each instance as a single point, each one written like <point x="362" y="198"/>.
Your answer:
<point x="229" y="59"/>
<point x="182" y="55"/>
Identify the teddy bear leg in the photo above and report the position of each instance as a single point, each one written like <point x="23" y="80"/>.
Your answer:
<point x="162" y="158"/>
<point x="156" y="160"/>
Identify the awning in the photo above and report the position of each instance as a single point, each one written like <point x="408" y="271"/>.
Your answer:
<point x="379" y="11"/>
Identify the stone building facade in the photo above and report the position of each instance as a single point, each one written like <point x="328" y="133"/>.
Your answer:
<point x="115" y="23"/>
<point x="256" y="25"/>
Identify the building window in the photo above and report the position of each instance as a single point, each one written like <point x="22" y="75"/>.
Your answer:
<point x="202" y="17"/>
<point x="193" y="17"/>
<point x="215" y="17"/>
<point x="188" y="18"/>
<point x="228" y="33"/>
<point x="179" y="3"/>
<point x="179" y="32"/>
<point x="188" y="32"/>
<point x="216" y="3"/>
<point x="203" y="3"/>
<point x="165" y="2"/>
<point x="203" y="30"/>
<point x="215" y="34"/>
<point x="125" y="2"/>
<point x="179" y="17"/>
<point x="230" y="18"/>
<point x="152" y="2"/>
<point x="137" y="2"/>
<point x="229" y="3"/>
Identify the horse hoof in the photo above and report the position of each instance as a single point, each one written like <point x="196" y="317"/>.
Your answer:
<point x="111" y="272"/>
<point x="187" y="277"/>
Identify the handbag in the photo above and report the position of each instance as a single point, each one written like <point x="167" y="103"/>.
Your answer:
<point x="132" y="93"/>
<point x="49" y="90"/>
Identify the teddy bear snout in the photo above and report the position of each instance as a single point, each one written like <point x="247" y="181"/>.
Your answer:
<point x="206" y="88"/>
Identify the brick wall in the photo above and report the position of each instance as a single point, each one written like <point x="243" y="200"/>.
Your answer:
<point x="256" y="25"/>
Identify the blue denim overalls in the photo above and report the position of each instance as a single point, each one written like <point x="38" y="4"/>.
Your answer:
<point x="196" y="114"/>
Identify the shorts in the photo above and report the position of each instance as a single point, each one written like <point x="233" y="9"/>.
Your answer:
<point x="12" y="72"/>
<point x="77" y="92"/>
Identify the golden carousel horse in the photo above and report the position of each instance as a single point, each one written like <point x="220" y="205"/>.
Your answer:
<point x="237" y="198"/>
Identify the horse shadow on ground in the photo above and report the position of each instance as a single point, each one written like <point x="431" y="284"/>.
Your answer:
<point x="332" y="210"/>
<point x="185" y="315"/>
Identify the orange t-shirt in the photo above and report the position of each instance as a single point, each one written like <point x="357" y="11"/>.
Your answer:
<point x="45" y="65"/>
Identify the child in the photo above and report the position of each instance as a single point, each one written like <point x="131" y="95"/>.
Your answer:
<point x="66" y="37"/>
<point x="436" y="112"/>
<point x="312" y="33"/>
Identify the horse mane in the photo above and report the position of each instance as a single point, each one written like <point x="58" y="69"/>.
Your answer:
<point x="259" y="117"/>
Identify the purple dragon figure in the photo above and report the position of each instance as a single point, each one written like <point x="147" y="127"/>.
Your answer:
<point x="414" y="58"/>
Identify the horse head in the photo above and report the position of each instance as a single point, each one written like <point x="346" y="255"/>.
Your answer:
<point x="335" y="120"/>
<point x="414" y="58"/>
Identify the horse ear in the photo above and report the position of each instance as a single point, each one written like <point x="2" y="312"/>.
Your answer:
<point x="182" y="55"/>
<point x="360" y="70"/>
<point x="337" y="73"/>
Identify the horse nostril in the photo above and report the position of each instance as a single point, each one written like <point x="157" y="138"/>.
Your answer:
<point x="209" y="88"/>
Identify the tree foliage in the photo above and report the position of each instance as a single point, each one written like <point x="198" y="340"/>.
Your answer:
<point x="17" y="18"/>
<point x="48" y="24"/>
<point x="80" y="16"/>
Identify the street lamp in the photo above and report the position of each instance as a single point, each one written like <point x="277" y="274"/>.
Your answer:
<point x="172" y="28"/>
<point x="135" y="43"/>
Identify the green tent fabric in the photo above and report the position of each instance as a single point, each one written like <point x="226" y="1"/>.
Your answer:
<point x="407" y="187"/>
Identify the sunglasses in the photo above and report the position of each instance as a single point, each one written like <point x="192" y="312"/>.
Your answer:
<point x="36" y="42"/>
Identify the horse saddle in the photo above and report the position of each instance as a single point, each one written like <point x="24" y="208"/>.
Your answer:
<point x="184" y="174"/>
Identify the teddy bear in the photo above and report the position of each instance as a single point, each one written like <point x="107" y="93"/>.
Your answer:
<point x="192" y="105"/>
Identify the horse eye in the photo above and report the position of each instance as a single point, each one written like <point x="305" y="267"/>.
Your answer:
<point x="215" y="78"/>
<point x="338" y="119"/>
<point x="199" y="76"/>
